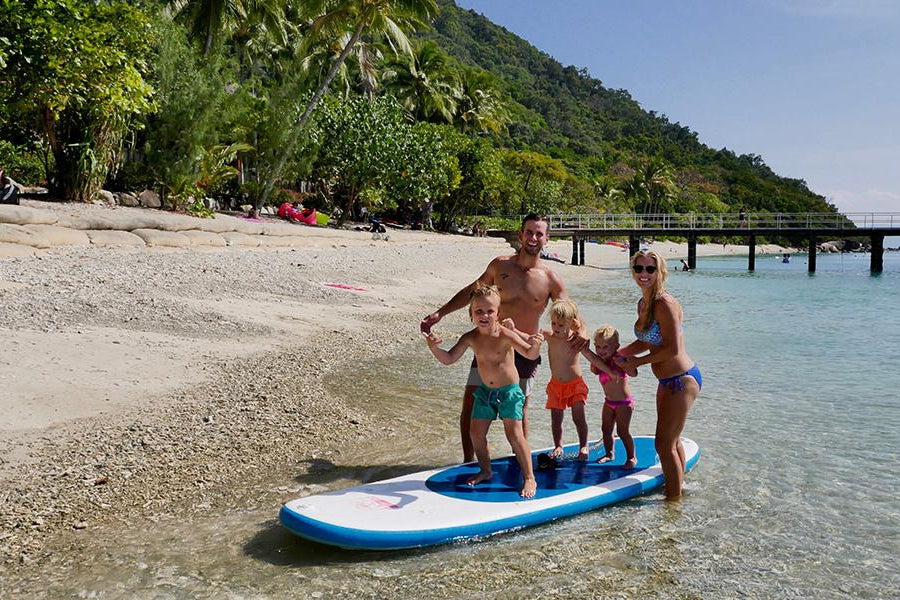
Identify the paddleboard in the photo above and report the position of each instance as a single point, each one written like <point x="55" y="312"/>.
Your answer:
<point x="438" y="506"/>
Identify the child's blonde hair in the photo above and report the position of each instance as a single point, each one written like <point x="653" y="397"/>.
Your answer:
<point x="483" y="291"/>
<point x="606" y="333"/>
<point x="564" y="310"/>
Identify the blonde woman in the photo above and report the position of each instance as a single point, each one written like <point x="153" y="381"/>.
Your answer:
<point x="659" y="334"/>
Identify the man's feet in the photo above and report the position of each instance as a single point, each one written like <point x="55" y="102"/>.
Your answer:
<point x="631" y="463"/>
<point x="605" y="458"/>
<point x="479" y="477"/>
<point x="557" y="452"/>
<point x="583" y="453"/>
<point x="529" y="489"/>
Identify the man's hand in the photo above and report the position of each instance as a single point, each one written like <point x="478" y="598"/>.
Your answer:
<point x="428" y="322"/>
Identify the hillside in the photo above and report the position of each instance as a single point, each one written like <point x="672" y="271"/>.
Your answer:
<point x="561" y="111"/>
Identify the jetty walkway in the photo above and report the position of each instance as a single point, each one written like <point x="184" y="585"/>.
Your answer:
<point x="808" y="228"/>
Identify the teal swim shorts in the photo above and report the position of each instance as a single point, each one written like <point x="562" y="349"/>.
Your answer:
<point x="505" y="402"/>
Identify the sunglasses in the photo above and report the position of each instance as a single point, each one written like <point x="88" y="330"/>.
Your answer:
<point x="640" y="269"/>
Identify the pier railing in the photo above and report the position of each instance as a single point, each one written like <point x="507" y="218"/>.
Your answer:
<point x="718" y="221"/>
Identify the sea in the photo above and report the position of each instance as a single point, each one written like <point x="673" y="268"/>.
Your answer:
<point x="796" y="493"/>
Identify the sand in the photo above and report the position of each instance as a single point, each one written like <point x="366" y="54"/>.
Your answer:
<point x="137" y="379"/>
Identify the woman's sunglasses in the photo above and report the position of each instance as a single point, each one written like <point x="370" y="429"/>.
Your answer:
<point x="640" y="269"/>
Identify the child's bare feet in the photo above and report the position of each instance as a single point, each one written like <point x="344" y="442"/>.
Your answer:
<point x="529" y="489"/>
<point x="583" y="453"/>
<point x="557" y="452"/>
<point x="605" y="458"/>
<point x="479" y="477"/>
<point x="631" y="463"/>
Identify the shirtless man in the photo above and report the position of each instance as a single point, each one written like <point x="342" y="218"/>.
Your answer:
<point x="526" y="286"/>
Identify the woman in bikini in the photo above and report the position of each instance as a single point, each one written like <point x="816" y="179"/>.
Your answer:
<point x="659" y="333"/>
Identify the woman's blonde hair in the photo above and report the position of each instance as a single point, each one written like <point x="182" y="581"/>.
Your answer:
<point x="564" y="309"/>
<point x="606" y="333"/>
<point x="645" y="316"/>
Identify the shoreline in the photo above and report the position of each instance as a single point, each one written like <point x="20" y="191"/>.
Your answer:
<point x="146" y="379"/>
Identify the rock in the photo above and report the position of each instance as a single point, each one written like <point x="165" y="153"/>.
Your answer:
<point x="150" y="199"/>
<point x="106" y="197"/>
<point x="127" y="199"/>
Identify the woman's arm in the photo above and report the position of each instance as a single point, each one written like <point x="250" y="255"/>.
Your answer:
<point x="597" y="363"/>
<point x="666" y="312"/>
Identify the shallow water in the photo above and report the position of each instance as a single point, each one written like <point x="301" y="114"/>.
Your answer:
<point x="795" y="494"/>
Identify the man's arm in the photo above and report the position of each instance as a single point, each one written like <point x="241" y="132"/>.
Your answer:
<point x="459" y="300"/>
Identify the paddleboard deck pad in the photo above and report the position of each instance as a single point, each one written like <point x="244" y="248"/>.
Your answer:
<point x="438" y="506"/>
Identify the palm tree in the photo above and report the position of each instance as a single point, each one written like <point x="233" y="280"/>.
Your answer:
<point x="211" y="19"/>
<point x="334" y="18"/>
<point x="658" y="183"/>
<point x="479" y="107"/>
<point x="424" y="84"/>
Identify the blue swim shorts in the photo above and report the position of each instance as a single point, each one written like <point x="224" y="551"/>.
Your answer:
<point x="505" y="402"/>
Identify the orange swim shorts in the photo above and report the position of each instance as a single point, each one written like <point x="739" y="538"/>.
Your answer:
<point x="563" y="395"/>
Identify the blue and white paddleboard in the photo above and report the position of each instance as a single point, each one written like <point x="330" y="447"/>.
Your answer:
<point x="437" y="506"/>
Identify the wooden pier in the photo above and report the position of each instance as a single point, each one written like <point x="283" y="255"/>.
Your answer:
<point x="805" y="228"/>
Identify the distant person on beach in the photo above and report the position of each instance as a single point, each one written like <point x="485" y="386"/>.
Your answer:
<point x="526" y="285"/>
<point x="619" y="403"/>
<point x="499" y="394"/>
<point x="567" y="388"/>
<point x="9" y="193"/>
<point x="659" y="332"/>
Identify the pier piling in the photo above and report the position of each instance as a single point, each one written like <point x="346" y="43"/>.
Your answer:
<point x="876" y="263"/>
<point x="751" y="254"/>
<point x="812" y="253"/>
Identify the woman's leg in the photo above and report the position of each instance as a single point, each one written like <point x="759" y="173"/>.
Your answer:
<point x="672" y="407"/>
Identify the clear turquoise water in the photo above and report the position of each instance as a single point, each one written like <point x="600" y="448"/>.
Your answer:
<point x="795" y="494"/>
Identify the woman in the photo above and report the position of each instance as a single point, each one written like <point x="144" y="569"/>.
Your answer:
<point x="659" y="331"/>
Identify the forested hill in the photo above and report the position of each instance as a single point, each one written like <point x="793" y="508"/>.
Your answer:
<point x="603" y="133"/>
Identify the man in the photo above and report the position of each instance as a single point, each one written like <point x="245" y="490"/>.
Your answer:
<point x="526" y="287"/>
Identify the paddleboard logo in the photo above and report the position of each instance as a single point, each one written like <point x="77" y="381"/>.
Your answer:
<point x="375" y="503"/>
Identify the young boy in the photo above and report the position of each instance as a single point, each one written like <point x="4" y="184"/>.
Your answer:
<point x="499" y="394"/>
<point x="567" y="388"/>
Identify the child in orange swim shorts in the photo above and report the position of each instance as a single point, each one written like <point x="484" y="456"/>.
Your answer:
<point x="567" y="388"/>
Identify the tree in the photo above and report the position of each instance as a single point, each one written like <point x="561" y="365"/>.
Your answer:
<point x="339" y="16"/>
<point x="480" y="107"/>
<point x="359" y="142"/>
<point x="79" y="69"/>
<point x="211" y="20"/>
<point x="424" y="83"/>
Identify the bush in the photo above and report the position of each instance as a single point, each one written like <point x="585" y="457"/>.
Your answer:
<point x="131" y="177"/>
<point x="22" y="165"/>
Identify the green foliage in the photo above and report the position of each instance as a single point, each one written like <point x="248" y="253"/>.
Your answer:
<point x="23" y="165"/>
<point x="78" y="68"/>
<point x="196" y="129"/>
<point x="563" y="113"/>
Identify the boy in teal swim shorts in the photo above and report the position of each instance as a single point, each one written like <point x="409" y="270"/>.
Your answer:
<point x="499" y="395"/>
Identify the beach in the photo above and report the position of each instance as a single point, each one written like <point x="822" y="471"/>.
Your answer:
<point x="142" y="382"/>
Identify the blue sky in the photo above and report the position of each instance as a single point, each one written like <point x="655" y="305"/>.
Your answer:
<point x="812" y="86"/>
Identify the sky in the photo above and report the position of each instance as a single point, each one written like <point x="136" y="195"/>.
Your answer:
<point x="812" y="86"/>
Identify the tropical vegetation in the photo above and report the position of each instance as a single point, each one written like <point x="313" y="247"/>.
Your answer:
<point x="390" y="105"/>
